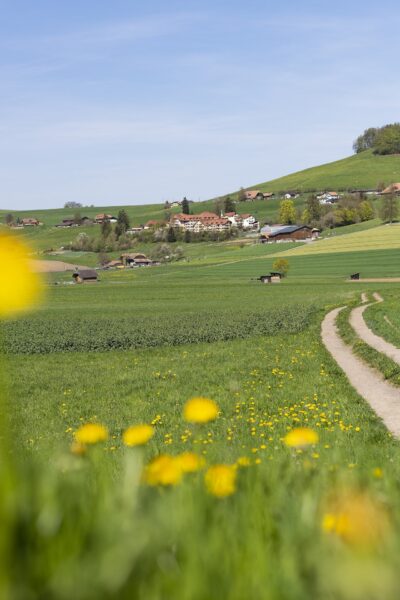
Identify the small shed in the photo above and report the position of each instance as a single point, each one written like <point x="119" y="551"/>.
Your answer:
<point x="85" y="276"/>
<point x="355" y="276"/>
<point x="270" y="278"/>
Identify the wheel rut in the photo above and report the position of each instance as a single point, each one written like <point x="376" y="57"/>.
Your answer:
<point x="383" y="397"/>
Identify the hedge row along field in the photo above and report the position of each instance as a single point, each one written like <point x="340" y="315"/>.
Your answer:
<point x="44" y="334"/>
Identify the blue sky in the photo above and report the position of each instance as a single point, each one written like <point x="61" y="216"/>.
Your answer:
<point x="126" y="102"/>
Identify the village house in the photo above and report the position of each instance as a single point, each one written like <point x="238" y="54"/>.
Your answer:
<point x="133" y="230"/>
<point x="75" y="223"/>
<point x="30" y="222"/>
<point x="68" y="223"/>
<point x="249" y="222"/>
<point x="257" y="195"/>
<point x="392" y="189"/>
<point x="244" y="221"/>
<point x="328" y="197"/>
<point x="287" y="233"/>
<point x="153" y="224"/>
<point x="113" y="264"/>
<point x="103" y="217"/>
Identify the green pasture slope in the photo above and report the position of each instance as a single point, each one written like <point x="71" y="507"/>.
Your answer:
<point x="360" y="171"/>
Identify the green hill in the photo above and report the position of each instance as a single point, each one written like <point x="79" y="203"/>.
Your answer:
<point x="360" y="171"/>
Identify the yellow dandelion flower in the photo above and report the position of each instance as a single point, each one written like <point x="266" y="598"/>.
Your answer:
<point x="91" y="433"/>
<point x="301" y="437"/>
<point x="377" y="473"/>
<point x="20" y="287"/>
<point x="357" y="519"/>
<point x="243" y="461"/>
<point x="200" y="410"/>
<point x="137" y="435"/>
<point x="190" y="462"/>
<point x="220" y="480"/>
<point x="163" y="470"/>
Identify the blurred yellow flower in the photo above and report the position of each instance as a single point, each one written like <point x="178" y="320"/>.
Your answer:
<point x="200" y="410"/>
<point x="20" y="287"/>
<point x="163" y="470"/>
<point x="377" y="473"/>
<point x="357" y="519"/>
<point x="190" y="462"/>
<point x="301" y="437"/>
<point x="243" y="461"/>
<point x="220" y="480"/>
<point x="91" y="433"/>
<point x="137" y="435"/>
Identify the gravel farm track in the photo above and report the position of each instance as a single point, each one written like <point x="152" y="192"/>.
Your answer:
<point x="383" y="397"/>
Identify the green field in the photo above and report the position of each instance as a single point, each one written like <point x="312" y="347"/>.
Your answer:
<point x="384" y="237"/>
<point x="133" y="348"/>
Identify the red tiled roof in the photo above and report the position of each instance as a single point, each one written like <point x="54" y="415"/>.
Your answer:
<point x="395" y="187"/>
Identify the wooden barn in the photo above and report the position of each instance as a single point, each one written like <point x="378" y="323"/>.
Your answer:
<point x="135" y="259"/>
<point x="85" y="276"/>
<point x="288" y="233"/>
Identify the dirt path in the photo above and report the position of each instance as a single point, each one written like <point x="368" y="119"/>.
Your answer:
<point x="369" y="337"/>
<point x="383" y="398"/>
<point x="53" y="266"/>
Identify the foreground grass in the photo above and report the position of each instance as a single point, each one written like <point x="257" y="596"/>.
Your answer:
<point x="84" y="526"/>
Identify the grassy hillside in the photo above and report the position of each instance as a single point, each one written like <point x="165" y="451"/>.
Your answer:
<point x="360" y="171"/>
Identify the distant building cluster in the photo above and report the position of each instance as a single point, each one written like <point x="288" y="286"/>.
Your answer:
<point x="209" y="221"/>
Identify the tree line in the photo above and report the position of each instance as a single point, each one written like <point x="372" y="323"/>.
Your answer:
<point x="382" y="140"/>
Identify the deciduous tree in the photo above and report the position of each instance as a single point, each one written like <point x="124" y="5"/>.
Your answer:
<point x="389" y="209"/>
<point x="287" y="212"/>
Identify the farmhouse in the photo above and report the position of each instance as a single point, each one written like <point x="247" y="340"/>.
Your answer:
<point x="68" y="223"/>
<point x="328" y="198"/>
<point x="103" y="217"/>
<point x="75" y="222"/>
<point x="30" y="222"/>
<point x="85" y="276"/>
<point x="249" y="222"/>
<point x="392" y="189"/>
<point x="257" y="195"/>
<point x="136" y="259"/>
<point x="290" y="233"/>
<point x="133" y="230"/>
<point x="113" y="264"/>
<point x="152" y="224"/>
<point x="245" y="221"/>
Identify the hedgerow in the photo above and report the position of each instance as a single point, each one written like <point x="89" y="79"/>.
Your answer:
<point x="44" y="334"/>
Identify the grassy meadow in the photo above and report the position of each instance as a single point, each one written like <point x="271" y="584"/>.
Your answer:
<point x="384" y="319"/>
<point x="255" y="515"/>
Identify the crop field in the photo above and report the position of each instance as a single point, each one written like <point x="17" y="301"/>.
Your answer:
<point x="379" y="238"/>
<point x="234" y="503"/>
